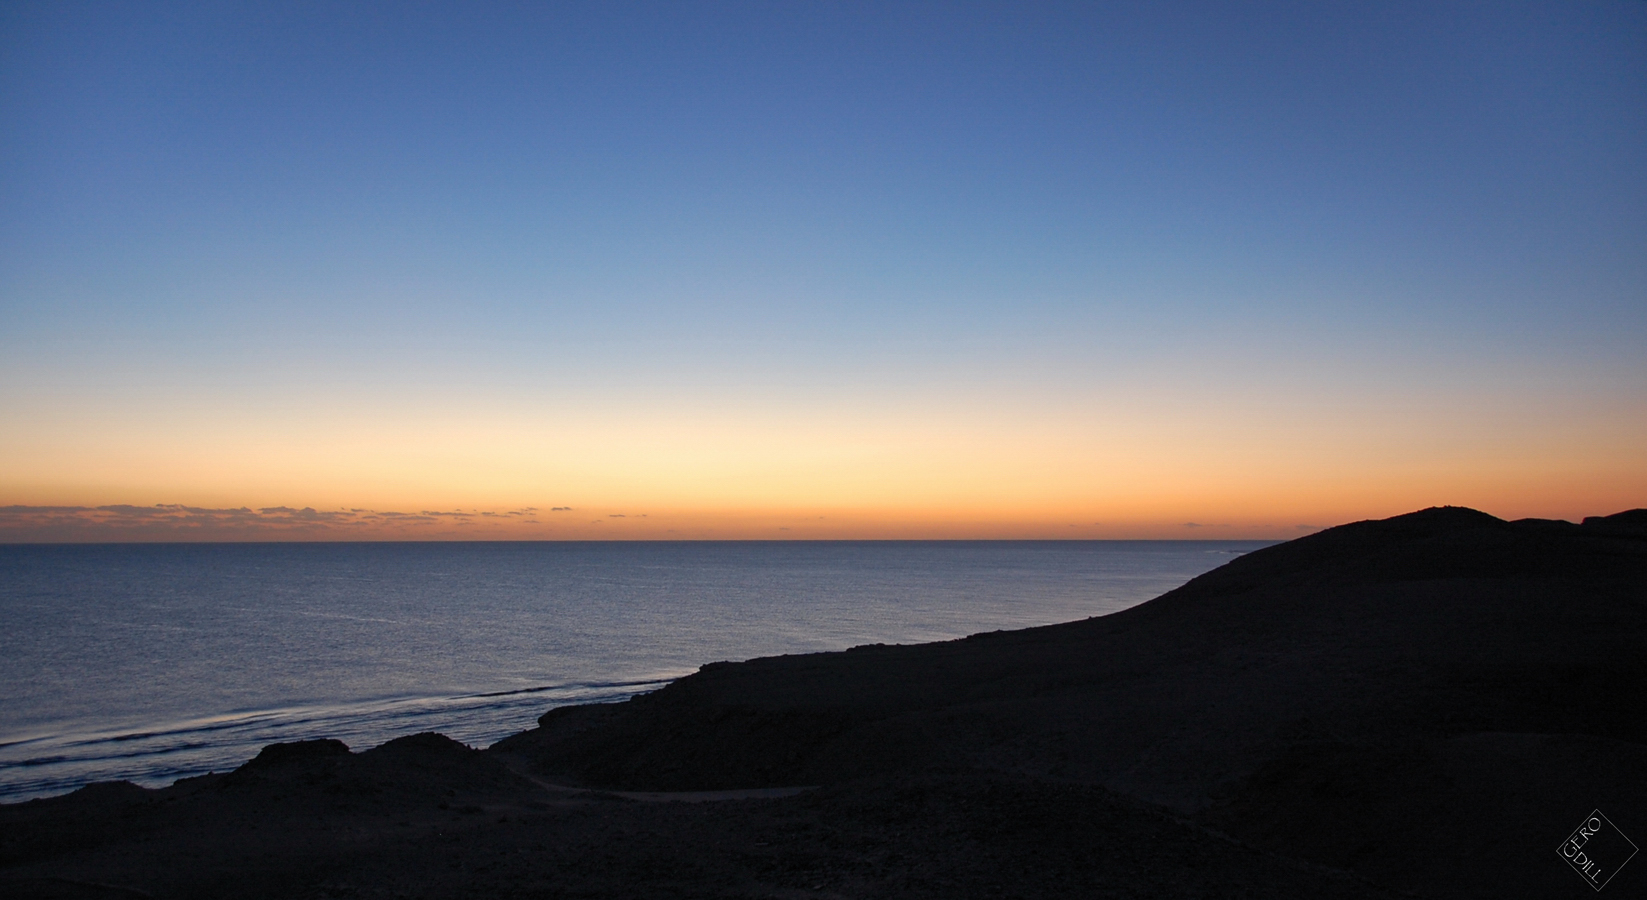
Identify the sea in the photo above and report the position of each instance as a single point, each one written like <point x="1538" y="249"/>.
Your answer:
<point x="153" y="662"/>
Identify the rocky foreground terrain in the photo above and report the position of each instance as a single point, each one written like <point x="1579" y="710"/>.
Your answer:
<point x="1421" y="706"/>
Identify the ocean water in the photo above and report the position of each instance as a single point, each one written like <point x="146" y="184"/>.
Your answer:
<point x="155" y="662"/>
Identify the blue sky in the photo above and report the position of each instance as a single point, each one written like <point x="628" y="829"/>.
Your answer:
<point x="1422" y="218"/>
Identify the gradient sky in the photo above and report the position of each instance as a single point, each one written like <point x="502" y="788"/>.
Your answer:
<point x="817" y="270"/>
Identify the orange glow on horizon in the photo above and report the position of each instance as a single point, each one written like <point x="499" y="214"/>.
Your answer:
<point x="1114" y="466"/>
<point x="608" y="522"/>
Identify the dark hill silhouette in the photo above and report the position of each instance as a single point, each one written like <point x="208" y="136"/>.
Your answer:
<point x="1442" y="621"/>
<point x="1427" y="704"/>
<point x="1310" y="697"/>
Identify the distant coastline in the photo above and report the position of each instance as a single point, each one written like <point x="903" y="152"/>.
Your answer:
<point x="172" y="522"/>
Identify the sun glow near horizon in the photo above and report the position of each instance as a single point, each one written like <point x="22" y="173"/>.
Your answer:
<point x="800" y="474"/>
<point x="932" y="451"/>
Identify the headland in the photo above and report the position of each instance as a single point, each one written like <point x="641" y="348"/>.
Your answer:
<point x="1419" y="706"/>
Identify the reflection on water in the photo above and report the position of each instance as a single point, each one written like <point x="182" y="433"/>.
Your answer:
<point x="153" y="662"/>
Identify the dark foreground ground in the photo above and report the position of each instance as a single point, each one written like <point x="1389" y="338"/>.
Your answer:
<point x="1422" y="706"/>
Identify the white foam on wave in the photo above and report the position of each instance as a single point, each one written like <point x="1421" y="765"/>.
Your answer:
<point x="155" y="756"/>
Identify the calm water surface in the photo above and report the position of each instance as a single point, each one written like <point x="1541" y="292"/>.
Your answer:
<point x="154" y="662"/>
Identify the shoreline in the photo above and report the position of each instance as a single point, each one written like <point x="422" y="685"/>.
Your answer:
<point x="1311" y="719"/>
<point x="569" y="625"/>
<point x="120" y="747"/>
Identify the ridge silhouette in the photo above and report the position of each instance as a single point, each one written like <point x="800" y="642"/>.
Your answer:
<point x="1425" y="705"/>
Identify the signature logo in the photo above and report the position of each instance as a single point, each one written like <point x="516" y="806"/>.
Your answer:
<point x="1597" y="850"/>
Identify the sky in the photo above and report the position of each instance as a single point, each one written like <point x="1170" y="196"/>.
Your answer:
<point x="797" y="270"/>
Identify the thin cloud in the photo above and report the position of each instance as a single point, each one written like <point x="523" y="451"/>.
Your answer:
<point x="176" y="521"/>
